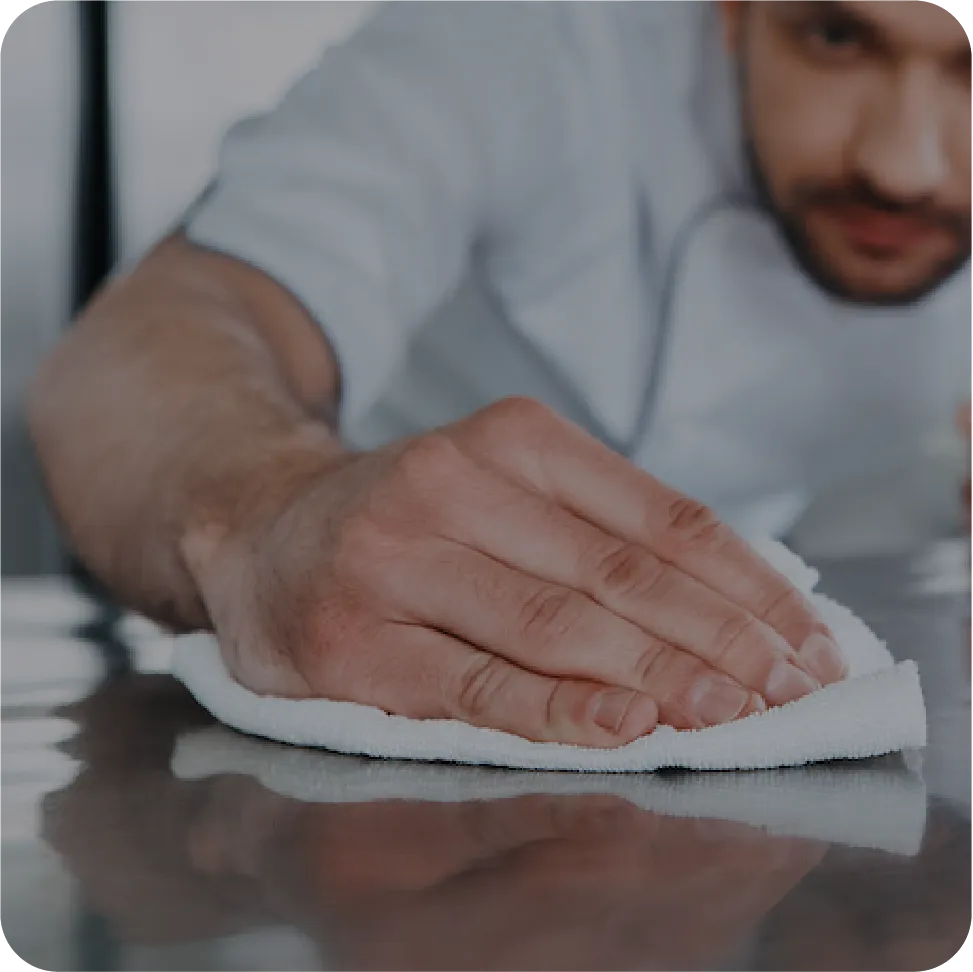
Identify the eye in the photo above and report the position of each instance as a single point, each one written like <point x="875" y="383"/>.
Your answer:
<point x="834" y="39"/>
<point x="960" y="67"/>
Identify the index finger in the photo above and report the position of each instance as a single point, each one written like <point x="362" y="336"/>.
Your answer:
<point x="580" y="473"/>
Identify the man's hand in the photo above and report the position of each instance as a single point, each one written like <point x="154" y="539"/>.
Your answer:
<point x="508" y="571"/>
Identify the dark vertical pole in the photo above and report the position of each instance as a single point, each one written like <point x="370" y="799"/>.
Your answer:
<point x="95" y="252"/>
<point x="93" y="257"/>
<point x="96" y="949"/>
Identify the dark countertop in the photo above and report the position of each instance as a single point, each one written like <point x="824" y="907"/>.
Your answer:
<point x="137" y="834"/>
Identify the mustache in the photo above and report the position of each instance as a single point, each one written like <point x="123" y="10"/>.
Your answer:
<point x="865" y="195"/>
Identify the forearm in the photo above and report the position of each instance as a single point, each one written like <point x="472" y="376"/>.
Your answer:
<point x="164" y="411"/>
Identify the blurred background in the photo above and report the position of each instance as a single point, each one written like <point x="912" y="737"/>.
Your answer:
<point x="177" y="75"/>
<point x="112" y="114"/>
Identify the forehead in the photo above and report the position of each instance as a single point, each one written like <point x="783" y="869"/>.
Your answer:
<point x="909" y="25"/>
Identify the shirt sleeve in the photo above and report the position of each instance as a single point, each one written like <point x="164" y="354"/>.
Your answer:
<point x="364" y="191"/>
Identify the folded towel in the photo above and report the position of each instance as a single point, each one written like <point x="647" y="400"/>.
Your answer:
<point x="878" y="709"/>
<point x="878" y="804"/>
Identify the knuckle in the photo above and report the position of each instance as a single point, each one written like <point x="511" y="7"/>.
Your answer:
<point x="549" y="614"/>
<point x="680" y="697"/>
<point x="511" y="431"/>
<point x="519" y="413"/>
<point x="675" y="677"/>
<point x="729" y="635"/>
<point x="629" y="571"/>
<point x="651" y="664"/>
<point x="690" y="522"/>
<point x="484" y="682"/>
<point x="431" y="459"/>
<point x="551" y="707"/>
<point x="564" y="705"/>
<point x="785" y="604"/>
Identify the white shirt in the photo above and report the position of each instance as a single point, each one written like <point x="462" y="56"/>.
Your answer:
<point x="548" y="199"/>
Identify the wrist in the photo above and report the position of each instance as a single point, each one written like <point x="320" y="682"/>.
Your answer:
<point x="250" y="489"/>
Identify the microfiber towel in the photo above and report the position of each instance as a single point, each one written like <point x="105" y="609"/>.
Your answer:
<point x="877" y="709"/>
<point x="878" y="804"/>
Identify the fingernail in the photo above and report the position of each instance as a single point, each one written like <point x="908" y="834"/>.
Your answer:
<point x="715" y="700"/>
<point x="823" y="658"/>
<point x="642" y="716"/>
<point x="787" y="682"/>
<point x="611" y="707"/>
<point x="755" y="704"/>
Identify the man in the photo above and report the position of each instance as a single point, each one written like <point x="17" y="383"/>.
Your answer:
<point x="721" y="248"/>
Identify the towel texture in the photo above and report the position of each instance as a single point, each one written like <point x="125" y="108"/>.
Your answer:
<point x="878" y="709"/>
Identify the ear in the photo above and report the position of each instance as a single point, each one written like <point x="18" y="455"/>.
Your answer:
<point x="731" y="13"/>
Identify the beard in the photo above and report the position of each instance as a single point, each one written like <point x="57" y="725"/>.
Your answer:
<point x="792" y="226"/>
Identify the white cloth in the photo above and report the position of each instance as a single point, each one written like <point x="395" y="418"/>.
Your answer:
<point x="878" y="709"/>
<point x="484" y="199"/>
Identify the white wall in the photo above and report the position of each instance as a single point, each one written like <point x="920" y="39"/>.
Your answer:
<point x="181" y="74"/>
<point x="37" y="83"/>
<point x="184" y="72"/>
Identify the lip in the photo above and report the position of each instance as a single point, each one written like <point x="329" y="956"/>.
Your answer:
<point x="882" y="233"/>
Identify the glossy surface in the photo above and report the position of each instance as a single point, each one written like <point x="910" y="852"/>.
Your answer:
<point x="139" y="835"/>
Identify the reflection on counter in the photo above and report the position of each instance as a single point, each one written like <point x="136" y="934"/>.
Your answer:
<point x="463" y="867"/>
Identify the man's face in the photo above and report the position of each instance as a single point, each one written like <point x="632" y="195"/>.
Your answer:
<point x="857" y="116"/>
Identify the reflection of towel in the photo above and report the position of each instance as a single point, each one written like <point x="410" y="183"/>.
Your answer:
<point x="877" y="709"/>
<point x="879" y="804"/>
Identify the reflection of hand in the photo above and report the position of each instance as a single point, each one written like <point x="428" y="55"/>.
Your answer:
<point x="535" y="881"/>
<point x="121" y="825"/>
<point x="580" y="881"/>
<point x="467" y="573"/>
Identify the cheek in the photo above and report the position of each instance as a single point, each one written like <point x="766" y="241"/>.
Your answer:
<point x="959" y="155"/>
<point x="801" y="122"/>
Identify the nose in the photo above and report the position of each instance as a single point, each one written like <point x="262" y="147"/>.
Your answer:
<point x="901" y="145"/>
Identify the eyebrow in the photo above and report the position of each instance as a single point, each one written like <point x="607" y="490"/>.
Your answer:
<point x="831" y="9"/>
